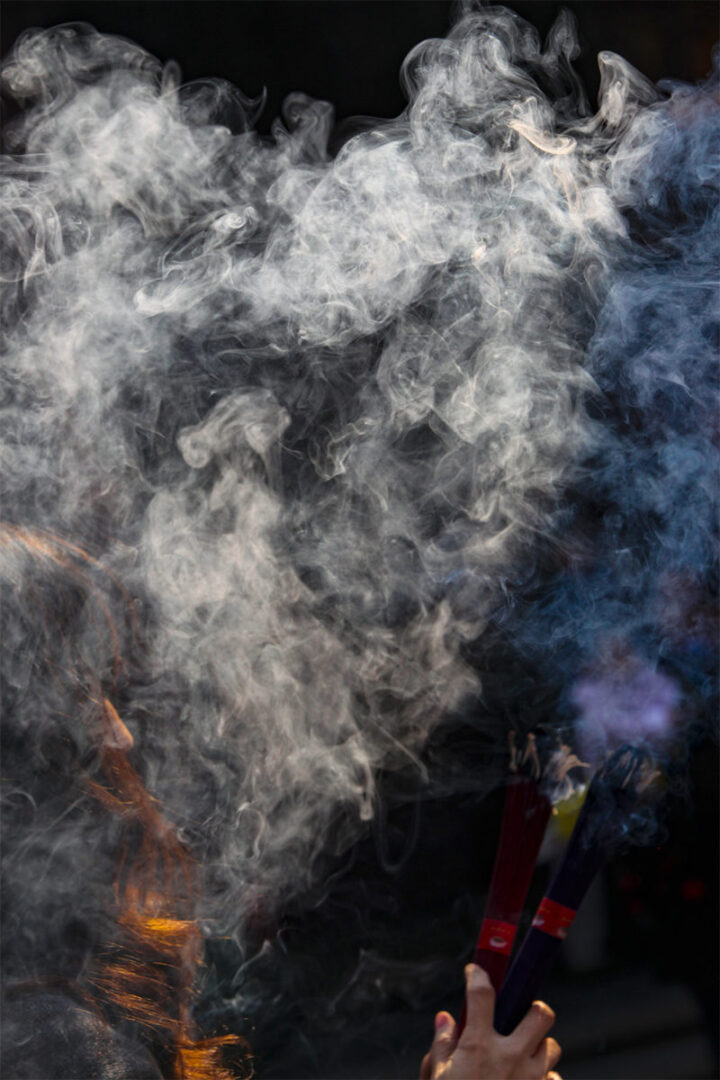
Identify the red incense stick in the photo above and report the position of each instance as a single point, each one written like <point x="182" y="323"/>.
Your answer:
<point x="525" y="818"/>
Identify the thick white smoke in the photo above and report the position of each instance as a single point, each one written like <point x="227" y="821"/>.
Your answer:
<point x="334" y="424"/>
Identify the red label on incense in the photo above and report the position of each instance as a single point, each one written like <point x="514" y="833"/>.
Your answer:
<point x="553" y="918"/>
<point x="496" y="936"/>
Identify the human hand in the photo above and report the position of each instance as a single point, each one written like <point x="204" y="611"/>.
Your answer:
<point x="482" y="1054"/>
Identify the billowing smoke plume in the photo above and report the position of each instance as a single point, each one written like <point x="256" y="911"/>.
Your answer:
<point x="344" y="435"/>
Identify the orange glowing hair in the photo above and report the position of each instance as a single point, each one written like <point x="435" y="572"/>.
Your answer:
<point x="147" y="973"/>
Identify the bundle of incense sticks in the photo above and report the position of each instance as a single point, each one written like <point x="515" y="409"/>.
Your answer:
<point x="525" y="818"/>
<point x="610" y="797"/>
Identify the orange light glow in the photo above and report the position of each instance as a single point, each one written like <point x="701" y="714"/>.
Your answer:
<point x="147" y="973"/>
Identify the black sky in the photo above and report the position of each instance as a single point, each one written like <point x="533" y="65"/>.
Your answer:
<point x="350" y="51"/>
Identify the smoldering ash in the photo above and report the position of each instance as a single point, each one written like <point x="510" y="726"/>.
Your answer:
<point x="332" y="428"/>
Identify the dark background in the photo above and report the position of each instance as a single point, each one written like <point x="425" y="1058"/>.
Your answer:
<point x="636" y="988"/>
<point x="350" y="52"/>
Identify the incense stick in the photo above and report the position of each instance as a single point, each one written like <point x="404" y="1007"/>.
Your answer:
<point x="525" y="819"/>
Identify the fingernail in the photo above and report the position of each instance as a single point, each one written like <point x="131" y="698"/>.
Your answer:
<point x="476" y="976"/>
<point x="442" y="1021"/>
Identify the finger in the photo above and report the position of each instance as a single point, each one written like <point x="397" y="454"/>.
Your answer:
<point x="533" y="1028"/>
<point x="547" y="1055"/>
<point x="444" y="1041"/>
<point x="553" y="1076"/>
<point x="480" y="998"/>
<point x="425" y="1068"/>
<point x="554" y="1052"/>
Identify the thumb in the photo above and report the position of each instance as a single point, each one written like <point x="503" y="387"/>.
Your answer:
<point x="480" y="999"/>
<point x="443" y="1043"/>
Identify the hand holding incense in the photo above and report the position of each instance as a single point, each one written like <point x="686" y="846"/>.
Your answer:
<point x="481" y="1051"/>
